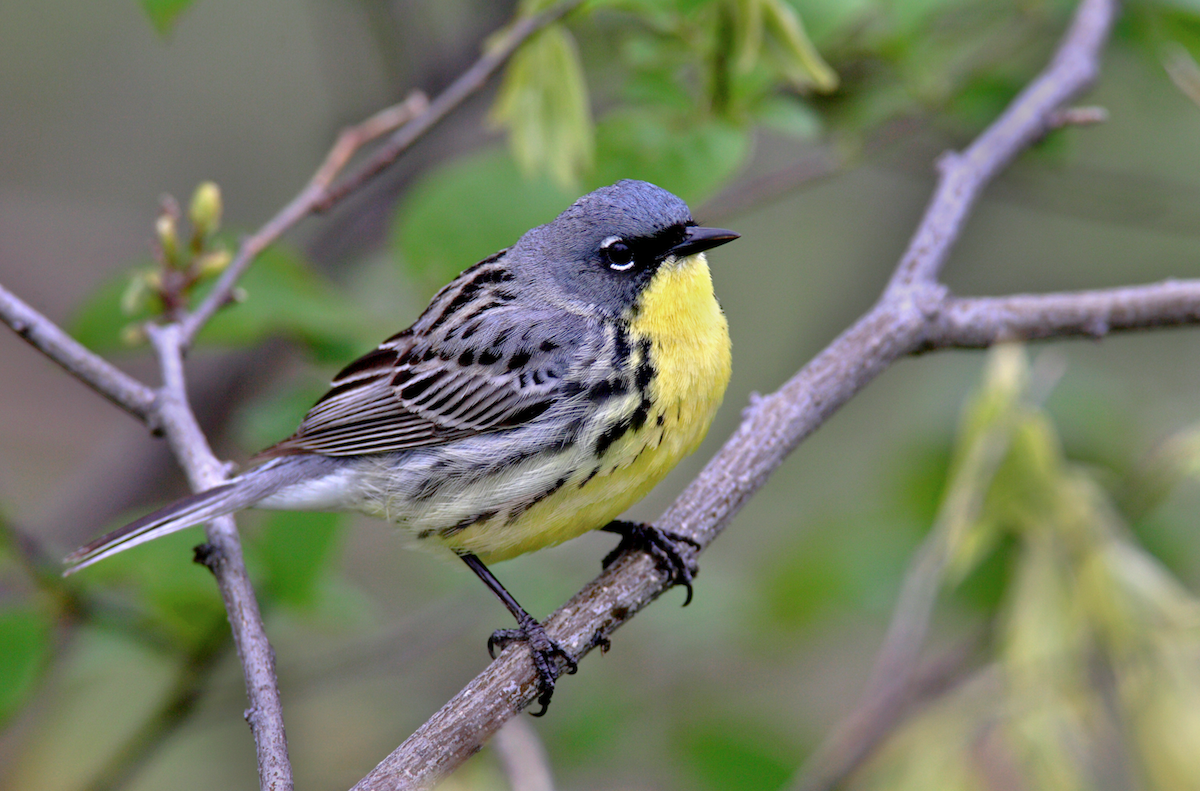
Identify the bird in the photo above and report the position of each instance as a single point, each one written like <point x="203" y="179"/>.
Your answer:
<point x="541" y="393"/>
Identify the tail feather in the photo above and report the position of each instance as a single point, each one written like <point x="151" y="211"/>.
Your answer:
<point x="191" y="510"/>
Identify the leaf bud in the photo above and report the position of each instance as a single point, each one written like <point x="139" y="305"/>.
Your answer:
<point x="205" y="209"/>
<point x="167" y="231"/>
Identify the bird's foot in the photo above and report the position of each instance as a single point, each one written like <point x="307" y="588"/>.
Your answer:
<point x="545" y="653"/>
<point x="662" y="545"/>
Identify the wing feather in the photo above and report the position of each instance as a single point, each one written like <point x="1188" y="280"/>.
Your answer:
<point x="418" y="390"/>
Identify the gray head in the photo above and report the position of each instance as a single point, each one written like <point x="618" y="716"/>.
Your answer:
<point x="608" y="245"/>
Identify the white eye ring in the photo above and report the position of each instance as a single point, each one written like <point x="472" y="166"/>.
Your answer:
<point x="609" y="242"/>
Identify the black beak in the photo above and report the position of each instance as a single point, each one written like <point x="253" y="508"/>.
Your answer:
<point x="697" y="239"/>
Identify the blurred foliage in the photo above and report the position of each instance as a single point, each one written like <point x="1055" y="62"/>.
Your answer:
<point x="280" y="296"/>
<point x="1093" y="638"/>
<point x="163" y="14"/>
<point x="24" y="652"/>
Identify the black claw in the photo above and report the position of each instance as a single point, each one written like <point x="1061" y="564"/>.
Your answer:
<point x="662" y="545"/>
<point x="543" y="651"/>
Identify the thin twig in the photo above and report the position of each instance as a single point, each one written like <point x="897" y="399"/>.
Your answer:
<point x="348" y="142"/>
<point x="169" y="408"/>
<point x="978" y="322"/>
<point x="468" y="83"/>
<point x="410" y="120"/>
<point x="867" y="726"/>
<point x="773" y="426"/>
<point x="91" y="369"/>
<point x="1026" y="120"/>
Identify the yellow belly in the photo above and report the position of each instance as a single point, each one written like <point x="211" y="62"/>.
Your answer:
<point x="690" y="352"/>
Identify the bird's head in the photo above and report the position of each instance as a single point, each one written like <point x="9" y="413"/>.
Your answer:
<point x="607" y="246"/>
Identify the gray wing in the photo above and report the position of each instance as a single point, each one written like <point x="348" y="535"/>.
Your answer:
<point x="420" y="389"/>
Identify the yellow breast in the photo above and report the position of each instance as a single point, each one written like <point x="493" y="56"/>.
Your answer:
<point x="690" y="352"/>
<point x="689" y="337"/>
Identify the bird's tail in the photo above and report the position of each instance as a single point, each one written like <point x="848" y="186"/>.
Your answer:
<point x="200" y="507"/>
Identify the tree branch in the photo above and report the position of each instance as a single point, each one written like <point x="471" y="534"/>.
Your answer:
<point x="978" y="322"/>
<point x="223" y="556"/>
<point x="91" y="369"/>
<point x="902" y="322"/>
<point x="1033" y="113"/>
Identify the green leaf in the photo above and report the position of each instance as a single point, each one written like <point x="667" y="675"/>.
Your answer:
<point x="468" y="209"/>
<point x="798" y="57"/>
<point x="543" y="102"/>
<point x="295" y="550"/>
<point x="24" y="651"/>
<point x="164" y="13"/>
<point x="284" y="298"/>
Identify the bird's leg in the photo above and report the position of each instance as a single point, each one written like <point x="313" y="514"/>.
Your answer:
<point x="662" y="545"/>
<point x="543" y="649"/>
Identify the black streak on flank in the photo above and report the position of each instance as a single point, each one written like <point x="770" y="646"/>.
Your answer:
<point x="548" y="346"/>
<point x="605" y="389"/>
<point x="614" y="433"/>
<point x="638" y="419"/>
<point x="590" y="475"/>
<point x="516" y="513"/>
<point x="488" y="357"/>
<point x="466" y="358"/>
<point x="446" y="532"/>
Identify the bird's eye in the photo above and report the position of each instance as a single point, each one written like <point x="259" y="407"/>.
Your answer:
<point x="617" y="253"/>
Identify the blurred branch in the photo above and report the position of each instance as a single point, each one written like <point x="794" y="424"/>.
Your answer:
<point x="523" y="757"/>
<point x="915" y="313"/>
<point x="410" y="121"/>
<point x="1183" y="70"/>
<point x="878" y="716"/>
<point x="495" y="55"/>
<point x="168" y="409"/>
<point x="892" y="686"/>
<point x="898" y="325"/>
<point x="1035" y="111"/>
<point x="91" y="369"/>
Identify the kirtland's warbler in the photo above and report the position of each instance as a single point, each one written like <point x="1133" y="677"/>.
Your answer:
<point x="541" y="393"/>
